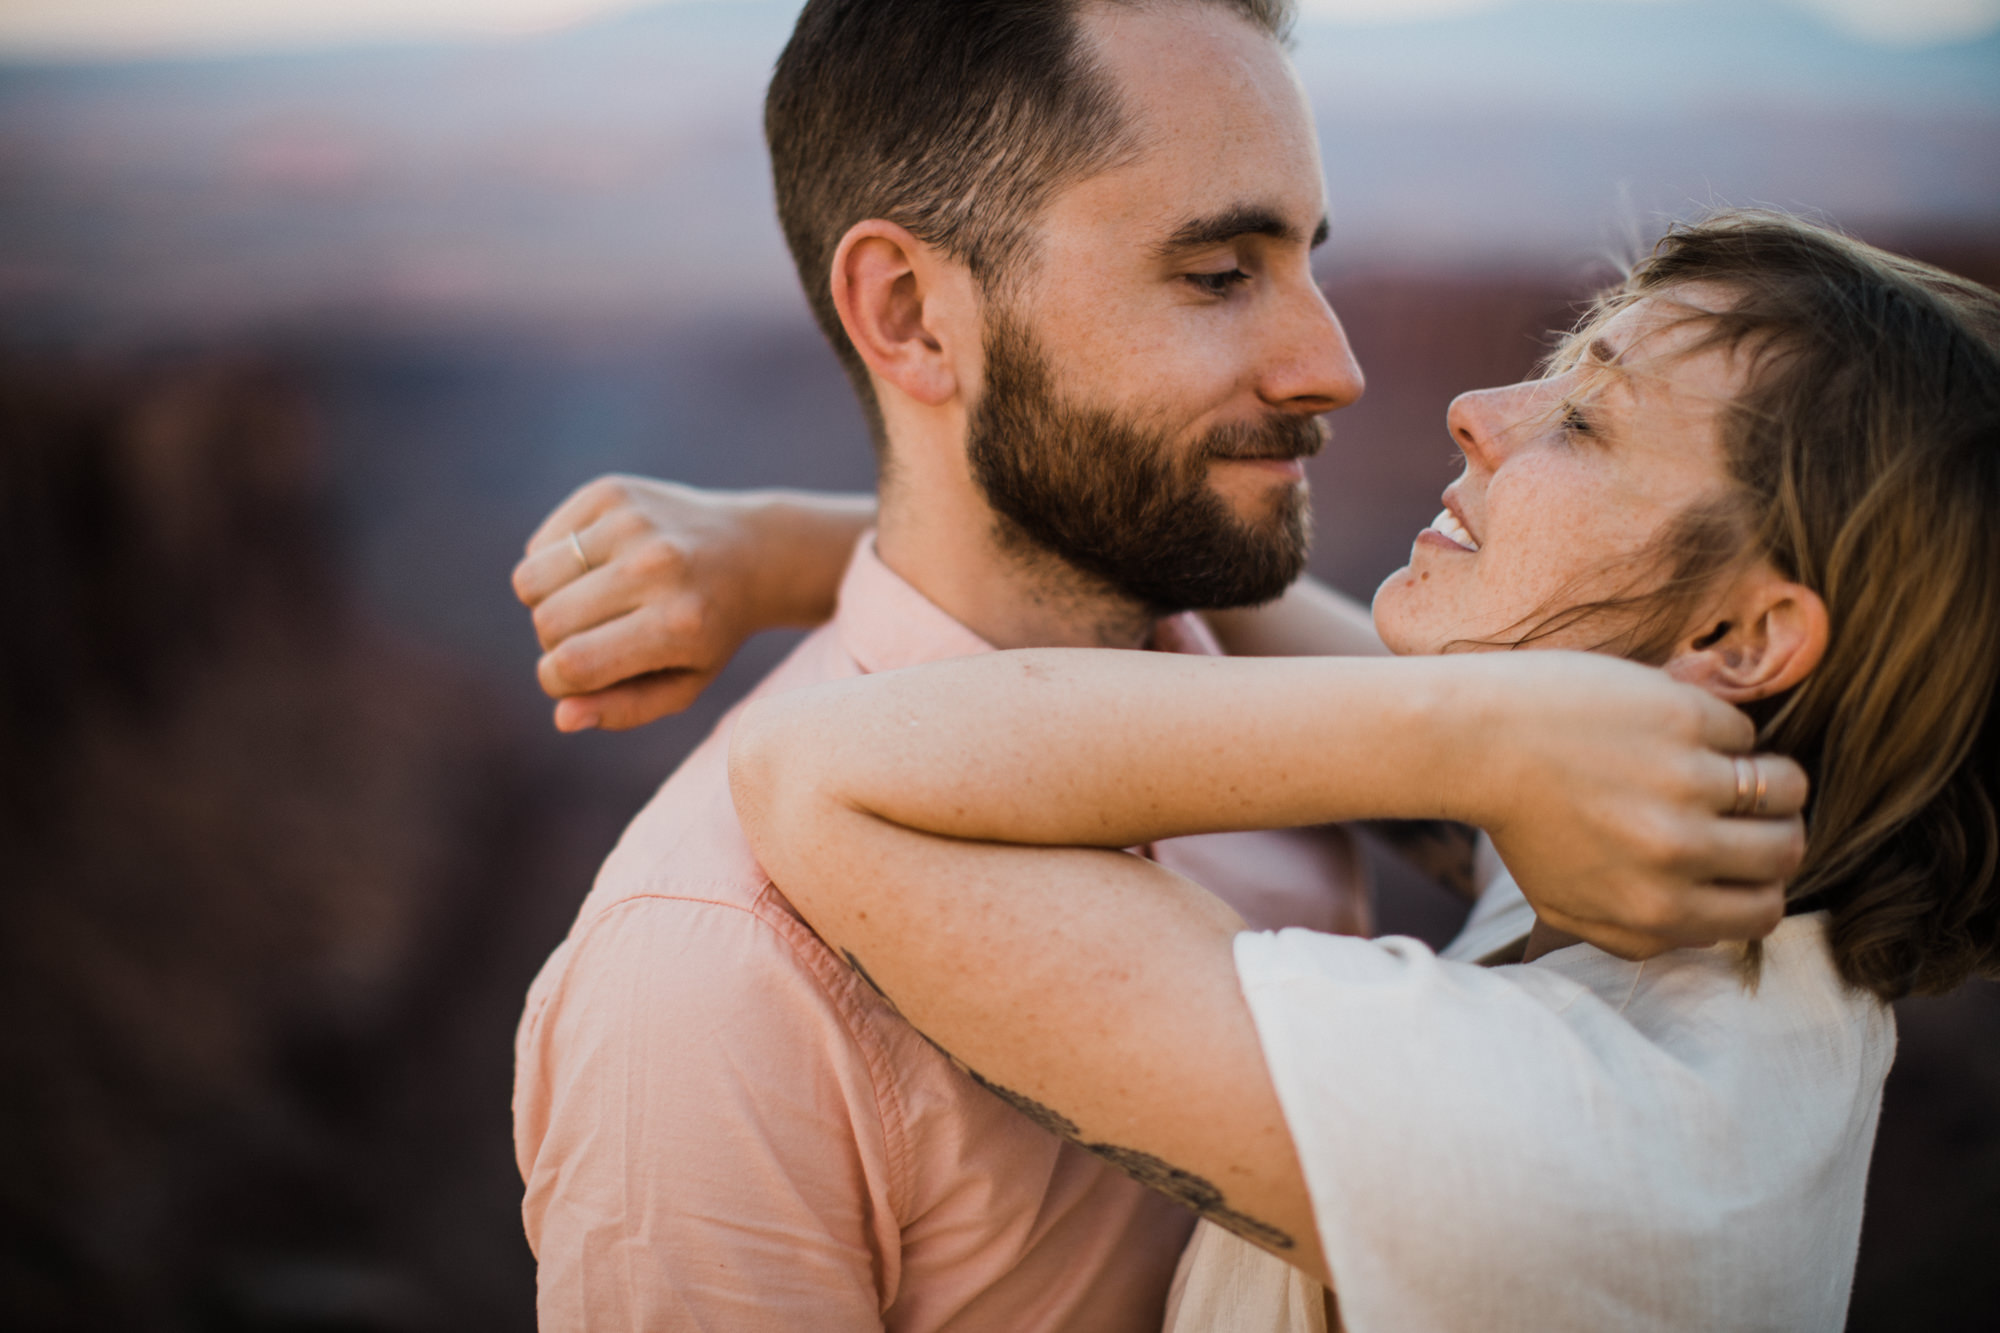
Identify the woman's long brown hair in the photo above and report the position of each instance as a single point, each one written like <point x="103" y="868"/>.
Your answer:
<point x="1866" y="456"/>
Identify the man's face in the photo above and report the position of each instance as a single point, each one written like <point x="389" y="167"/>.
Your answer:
<point x="1153" y="378"/>
<point x="1131" y="505"/>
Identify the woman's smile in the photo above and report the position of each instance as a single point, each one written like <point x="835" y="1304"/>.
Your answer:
<point x="1448" y="531"/>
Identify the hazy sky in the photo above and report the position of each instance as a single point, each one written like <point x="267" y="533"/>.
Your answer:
<point x="136" y="27"/>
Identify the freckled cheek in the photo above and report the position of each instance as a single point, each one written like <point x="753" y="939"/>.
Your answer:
<point x="1544" y="536"/>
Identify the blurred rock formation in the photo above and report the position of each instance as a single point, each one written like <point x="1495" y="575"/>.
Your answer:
<point x="261" y="871"/>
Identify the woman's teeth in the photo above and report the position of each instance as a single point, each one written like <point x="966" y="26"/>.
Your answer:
<point x="1449" y="526"/>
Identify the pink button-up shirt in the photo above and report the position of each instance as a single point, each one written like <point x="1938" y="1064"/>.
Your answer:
<point x="721" y="1127"/>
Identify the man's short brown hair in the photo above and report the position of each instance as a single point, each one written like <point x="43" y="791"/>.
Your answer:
<point x="956" y="119"/>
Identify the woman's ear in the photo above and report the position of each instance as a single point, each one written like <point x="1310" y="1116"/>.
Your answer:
<point x="889" y="288"/>
<point x="1767" y="635"/>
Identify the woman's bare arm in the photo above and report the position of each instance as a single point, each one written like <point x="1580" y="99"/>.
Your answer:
<point x="1315" y="620"/>
<point x="1092" y="990"/>
<point x="1096" y="991"/>
<point x="1584" y="768"/>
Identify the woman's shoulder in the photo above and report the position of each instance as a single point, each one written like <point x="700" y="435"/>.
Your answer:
<point x="1794" y="981"/>
<point x="1707" y="1011"/>
<point x="1665" y="1115"/>
<point x="1734" y="1020"/>
<point x="1792" y="970"/>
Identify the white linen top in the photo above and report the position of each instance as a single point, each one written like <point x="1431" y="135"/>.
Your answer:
<point x="1578" y="1143"/>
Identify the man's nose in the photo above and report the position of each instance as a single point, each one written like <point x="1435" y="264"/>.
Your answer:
<point x="1313" y="369"/>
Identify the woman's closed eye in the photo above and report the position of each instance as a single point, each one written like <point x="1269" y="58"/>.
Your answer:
<point x="1575" y="421"/>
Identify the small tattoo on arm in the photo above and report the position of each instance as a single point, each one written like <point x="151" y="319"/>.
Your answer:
<point x="1438" y="848"/>
<point x="1183" y="1187"/>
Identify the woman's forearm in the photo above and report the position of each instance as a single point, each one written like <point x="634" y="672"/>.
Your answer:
<point x="1094" y="748"/>
<point x="1606" y="786"/>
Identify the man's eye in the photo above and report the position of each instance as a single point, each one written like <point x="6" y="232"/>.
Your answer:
<point x="1218" y="284"/>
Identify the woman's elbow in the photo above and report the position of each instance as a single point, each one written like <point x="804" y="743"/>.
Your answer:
<point x="791" y="771"/>
<point x="758" y="773"/>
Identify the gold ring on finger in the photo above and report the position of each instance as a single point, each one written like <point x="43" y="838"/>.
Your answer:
<point x="1746" y="786"/>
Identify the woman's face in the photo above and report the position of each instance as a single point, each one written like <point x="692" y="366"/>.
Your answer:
<point x="1569" y="484"/>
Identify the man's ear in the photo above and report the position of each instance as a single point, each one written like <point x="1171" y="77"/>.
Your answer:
<point x="1767" y="635"/>
<point x="895" y="296"/>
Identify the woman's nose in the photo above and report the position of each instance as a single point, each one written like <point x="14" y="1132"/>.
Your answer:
<point x="1478" y="423"/>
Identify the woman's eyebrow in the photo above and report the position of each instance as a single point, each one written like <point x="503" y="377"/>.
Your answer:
<point x="1601" y="351"/>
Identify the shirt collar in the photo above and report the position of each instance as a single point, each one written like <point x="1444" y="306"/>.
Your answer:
<point x="885" y="623"/>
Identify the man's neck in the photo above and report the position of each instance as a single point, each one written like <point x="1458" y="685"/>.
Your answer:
<point x="1005" y="590"/>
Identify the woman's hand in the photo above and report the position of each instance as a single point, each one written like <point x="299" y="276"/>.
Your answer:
<point x="643" y="590"/>
<point x="1609" y="792"/>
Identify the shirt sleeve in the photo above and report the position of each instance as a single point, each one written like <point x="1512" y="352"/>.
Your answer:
<point x="1505" y="1149"/>
<point x="700" y="1133"/>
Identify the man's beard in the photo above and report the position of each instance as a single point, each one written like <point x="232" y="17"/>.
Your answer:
<point x="1120" y="502"/>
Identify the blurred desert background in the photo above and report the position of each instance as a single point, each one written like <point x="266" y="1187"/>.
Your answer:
<point x="309" y="312"/>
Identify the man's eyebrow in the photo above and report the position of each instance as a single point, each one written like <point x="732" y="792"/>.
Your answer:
<point x="1221" y="228"/>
